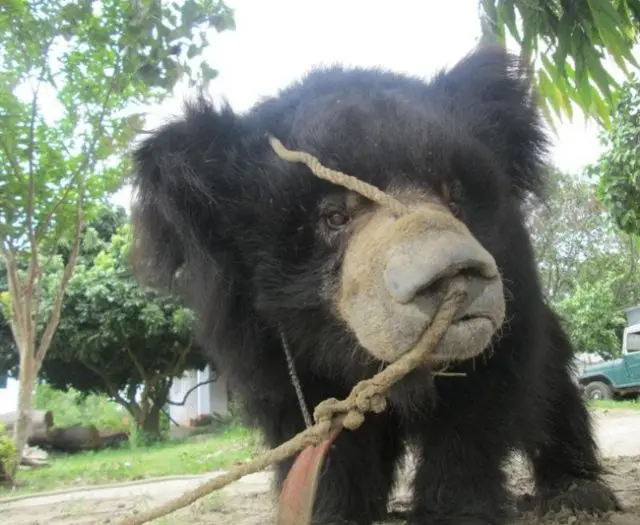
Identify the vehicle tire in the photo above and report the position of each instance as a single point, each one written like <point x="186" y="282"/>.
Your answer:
<point x="598" y="390"/>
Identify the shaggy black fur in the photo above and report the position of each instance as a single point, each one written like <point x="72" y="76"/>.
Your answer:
<point x="243" y="231"/>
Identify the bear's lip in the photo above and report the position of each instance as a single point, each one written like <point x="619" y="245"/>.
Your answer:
<point x="466" y="338"/>
<point x="469" y="317"/>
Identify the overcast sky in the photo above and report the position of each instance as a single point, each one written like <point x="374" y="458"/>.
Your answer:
<point x="277" y="41"/>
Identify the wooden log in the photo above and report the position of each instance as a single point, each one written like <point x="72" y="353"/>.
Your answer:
<point x="70" y="440"/>
<point x="39" y="419"/>
<point x="33" y="462"/>
<point x="113" y="438"/>
<point x="39" y="438"/>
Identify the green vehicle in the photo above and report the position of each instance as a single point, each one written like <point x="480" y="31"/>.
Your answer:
<point x="618" y="378"/>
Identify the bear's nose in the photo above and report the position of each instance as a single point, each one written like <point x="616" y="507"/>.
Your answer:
<point x="421" y="265"/>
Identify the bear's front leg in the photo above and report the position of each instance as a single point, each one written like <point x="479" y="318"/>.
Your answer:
<point x="567" y="470"/>
<point x="459" y="480"/>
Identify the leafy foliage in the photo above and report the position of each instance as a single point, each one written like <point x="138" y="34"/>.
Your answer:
<point x="118" y="339"/>
<point x="588" y="269"/>
<point x="75" y="408"/>
<point x="618" y="168"/>
<point x="569" y="230"/>
<point x="7" y="456"/>
<point x="96" y="235"/>
<point x="571" y="41"/>
<point x="594" y="317"/>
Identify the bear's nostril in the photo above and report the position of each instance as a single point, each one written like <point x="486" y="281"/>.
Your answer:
<point x="435" y="287"/>
<point x="438" y="285"/>
<point x="422" y="266"/>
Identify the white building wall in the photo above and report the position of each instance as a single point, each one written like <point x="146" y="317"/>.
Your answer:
<point x="210" y="398"/>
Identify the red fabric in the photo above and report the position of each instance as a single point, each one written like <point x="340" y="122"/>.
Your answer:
<point x="298" y="493"/>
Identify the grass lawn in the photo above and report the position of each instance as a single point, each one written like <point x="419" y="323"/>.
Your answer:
<point x="601" y="403"/>
<point x="235" y="444"/>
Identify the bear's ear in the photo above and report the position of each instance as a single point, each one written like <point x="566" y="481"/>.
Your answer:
<point x="491" y="90"/>
<point x="182" y="182"/>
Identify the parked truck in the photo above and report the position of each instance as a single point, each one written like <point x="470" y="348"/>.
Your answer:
<point x="616" y="378"/>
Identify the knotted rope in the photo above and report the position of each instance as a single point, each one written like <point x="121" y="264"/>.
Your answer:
<point x="367" y="396"/>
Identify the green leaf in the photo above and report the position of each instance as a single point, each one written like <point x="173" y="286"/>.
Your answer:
<point x="578" y="39"/>
<point x="506" y="15"/>
<point x="208" y="73"/>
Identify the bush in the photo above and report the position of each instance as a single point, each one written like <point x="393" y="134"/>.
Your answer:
<point x="73" y="408"/>
<point x="8" y="455"/>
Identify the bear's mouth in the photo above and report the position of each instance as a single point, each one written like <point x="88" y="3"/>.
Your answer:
<point x="466" y="338"/>
<point x="469" y="317"/>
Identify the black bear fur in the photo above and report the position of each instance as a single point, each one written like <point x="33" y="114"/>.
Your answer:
<point x="224" y="222"/>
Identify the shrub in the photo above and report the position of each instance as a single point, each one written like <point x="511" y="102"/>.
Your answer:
<point x="8" y="456"/>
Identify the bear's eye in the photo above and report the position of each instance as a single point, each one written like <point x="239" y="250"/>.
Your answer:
<point x="452" y="194"/>
<point x="336" y="219"/>
<point x="455" y="208"/>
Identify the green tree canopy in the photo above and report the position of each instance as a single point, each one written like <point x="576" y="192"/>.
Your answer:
<point x="587" y="267"/>
<point x="118" y="339"/>
<point x="73" y="79"/>
<point x="96" y="236"/>
<point x="618" y="167"/>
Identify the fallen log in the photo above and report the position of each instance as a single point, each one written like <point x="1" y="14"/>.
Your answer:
<point x="34" y="457"/>
<point x="33" y="462"/>
<point x="40" y="419"/>
<point x="113" y="438"/>
<point x="69" y="440"/>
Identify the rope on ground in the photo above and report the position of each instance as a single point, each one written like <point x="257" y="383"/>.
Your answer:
<point x="367" y="396"/>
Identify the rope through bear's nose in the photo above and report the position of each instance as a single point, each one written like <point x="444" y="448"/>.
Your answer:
<point x="337" y="177"/>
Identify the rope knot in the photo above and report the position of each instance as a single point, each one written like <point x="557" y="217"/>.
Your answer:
<point x="365" y="397"/>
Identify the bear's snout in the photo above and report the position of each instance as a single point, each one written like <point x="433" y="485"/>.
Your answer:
<point x="394" y="278"/>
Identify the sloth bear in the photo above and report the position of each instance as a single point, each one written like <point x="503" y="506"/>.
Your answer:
<point x="267" y="255"/>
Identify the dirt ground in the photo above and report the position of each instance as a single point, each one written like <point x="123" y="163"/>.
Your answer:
<point x="249" y="501"/>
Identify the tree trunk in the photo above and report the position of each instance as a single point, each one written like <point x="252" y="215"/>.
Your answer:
<point x="22" y="426"/>
<point x="151" y="423"/>
<point x="148" y="424"/>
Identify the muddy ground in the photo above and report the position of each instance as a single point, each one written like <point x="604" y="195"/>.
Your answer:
<point x="249" y="501"/>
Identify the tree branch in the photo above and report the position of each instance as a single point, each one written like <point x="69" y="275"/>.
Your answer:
<point x="182" y="356"/>
<point x="90" y="162"/>
<point x="54" y="318"/>
<point x="166" y="413"/>
<point x="47" y="219"/>
<point x="195" y="387"/>
<point x="12" y="162"/>
<point x="16" y="321"/>
<point x="33" y="273"/>
<point x="633" y="264"/>
<point x="110" y="387"/>
<point x="137" y="364"/>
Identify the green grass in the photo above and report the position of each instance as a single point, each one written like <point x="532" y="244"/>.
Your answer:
<point x="222" y="450"/>
<point x="235" y="444"/>
<point x="612" y="405"/>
